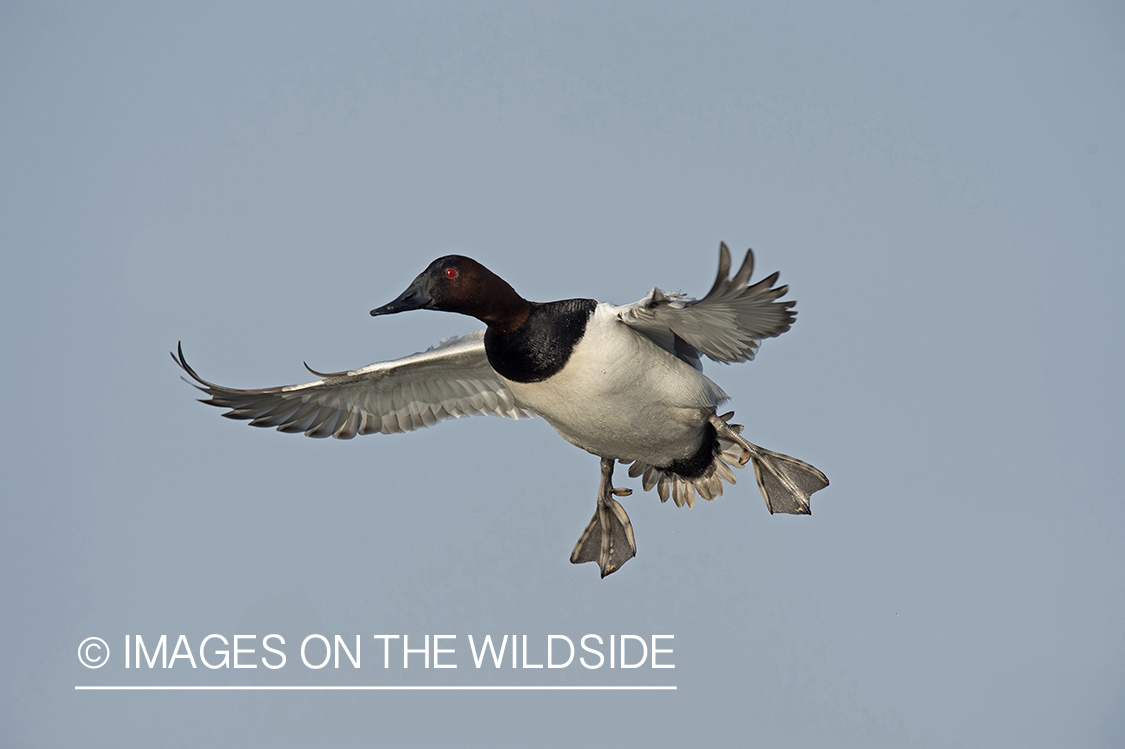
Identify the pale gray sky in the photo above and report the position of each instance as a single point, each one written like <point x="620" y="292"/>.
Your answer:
<point x="941" y="186"/>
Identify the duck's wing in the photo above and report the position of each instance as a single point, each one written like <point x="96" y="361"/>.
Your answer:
<point x="453" y="378"/>
<point x="727" y="325"/>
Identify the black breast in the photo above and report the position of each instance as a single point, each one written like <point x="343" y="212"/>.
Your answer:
<point x="541" y="346"/>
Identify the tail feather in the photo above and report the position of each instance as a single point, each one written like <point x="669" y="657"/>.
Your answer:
<point x="709" y="484"/>
<point x="787" y="484"/>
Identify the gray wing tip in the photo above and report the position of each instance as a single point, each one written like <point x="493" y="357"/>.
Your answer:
<point x="724" y="269"/>
<point x="181" y="362"/>
<point x="211" y="389"/>
<point x="741" y="278"/>
<point x="324" y="375"/>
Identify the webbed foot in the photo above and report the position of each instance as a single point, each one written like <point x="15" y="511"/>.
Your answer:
<point x="785" y="482"/>
<point x="608" y="539"/>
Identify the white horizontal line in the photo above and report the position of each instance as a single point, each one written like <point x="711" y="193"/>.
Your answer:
<point x="247" y="688"/>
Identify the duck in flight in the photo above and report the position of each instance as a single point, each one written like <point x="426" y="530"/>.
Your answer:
<point x="624" y="383"/>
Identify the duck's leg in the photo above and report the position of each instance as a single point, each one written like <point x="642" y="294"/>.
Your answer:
<point x="786" y="483"/>
<point x="608" y="539"/>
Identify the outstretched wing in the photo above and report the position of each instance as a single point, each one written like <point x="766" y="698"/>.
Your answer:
<point x="453" y="378"/>
<point x="727" y="325"/>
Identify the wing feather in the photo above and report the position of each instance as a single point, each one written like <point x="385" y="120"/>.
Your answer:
<point x="727" y="325"/>
<point x="451" y="379"/>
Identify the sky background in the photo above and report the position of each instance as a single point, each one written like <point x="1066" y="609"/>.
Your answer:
<point x="941" y="185"/>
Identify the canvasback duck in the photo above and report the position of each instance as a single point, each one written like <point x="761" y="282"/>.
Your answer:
<point x="624" y="383"/>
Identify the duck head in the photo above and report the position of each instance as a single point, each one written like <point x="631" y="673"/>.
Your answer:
<point x="455" y="283"/>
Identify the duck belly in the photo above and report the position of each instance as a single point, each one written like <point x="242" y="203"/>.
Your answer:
<point x="621" y="396"/>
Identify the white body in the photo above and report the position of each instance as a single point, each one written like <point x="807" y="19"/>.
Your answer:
<point x="622" y="396"/>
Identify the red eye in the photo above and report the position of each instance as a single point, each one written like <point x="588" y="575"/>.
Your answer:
<point x="451" y="273"/>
